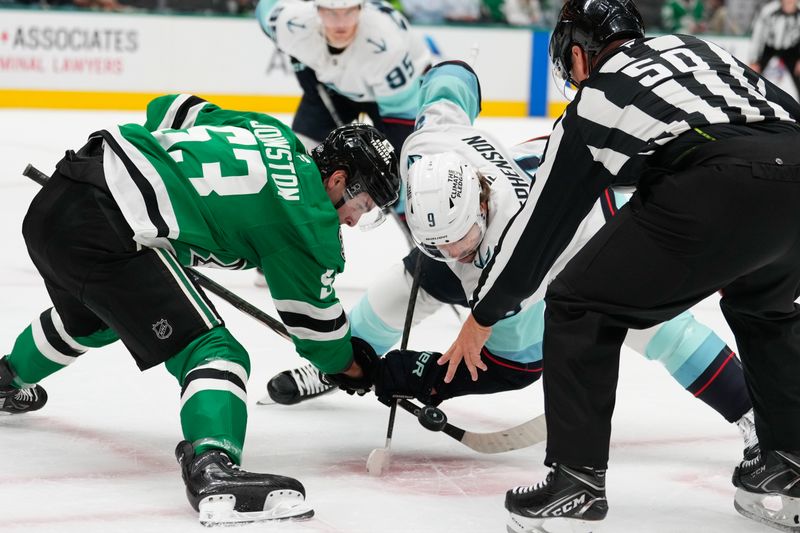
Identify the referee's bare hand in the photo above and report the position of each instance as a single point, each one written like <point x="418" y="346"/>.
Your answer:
<point x="466" y="347"/>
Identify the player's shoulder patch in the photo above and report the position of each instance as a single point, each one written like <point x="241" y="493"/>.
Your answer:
<point x="341" y="244"/>
<point x="297" y="21"/>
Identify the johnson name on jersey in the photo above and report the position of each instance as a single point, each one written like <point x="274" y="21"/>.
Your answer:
<point x="450" y="102"/>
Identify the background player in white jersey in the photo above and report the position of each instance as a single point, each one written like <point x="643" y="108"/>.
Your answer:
<point x="196" y="185"/>
<point x="350" y="56"/>
<point x="463" y="188"/>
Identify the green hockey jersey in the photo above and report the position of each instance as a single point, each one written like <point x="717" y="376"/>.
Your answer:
<point x="236" y="190"/>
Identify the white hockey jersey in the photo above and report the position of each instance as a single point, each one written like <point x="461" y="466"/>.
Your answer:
<point x="445" y="124"/>
<point x="382" y="64"/>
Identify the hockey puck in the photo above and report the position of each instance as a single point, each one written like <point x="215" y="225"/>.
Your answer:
<point x="432" y="418"/>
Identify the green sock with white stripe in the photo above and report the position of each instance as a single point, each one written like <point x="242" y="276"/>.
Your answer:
<point x="213" y="372"/>
<point x="44" y="348"/>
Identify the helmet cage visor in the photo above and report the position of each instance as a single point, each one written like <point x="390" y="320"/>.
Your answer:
<point x="560" y="50"/>
<point x="456" y="250"/>
<point x="360" y="202"/>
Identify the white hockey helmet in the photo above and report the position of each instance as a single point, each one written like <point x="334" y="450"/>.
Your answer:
<point x="338" y="4"/>
<point x="443" y="207"/>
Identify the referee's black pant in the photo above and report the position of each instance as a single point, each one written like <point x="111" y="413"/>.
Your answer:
<point x="729" y="220"/>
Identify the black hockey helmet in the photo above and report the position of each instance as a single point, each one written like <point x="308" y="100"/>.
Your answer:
<point x="591" y="24"/>
<point x="368" y="158"/>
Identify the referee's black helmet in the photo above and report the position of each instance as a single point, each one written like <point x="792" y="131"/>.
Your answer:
<point x="591" y="24"/>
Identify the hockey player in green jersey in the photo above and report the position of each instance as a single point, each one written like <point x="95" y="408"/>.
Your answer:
<point x="197" y="185"/>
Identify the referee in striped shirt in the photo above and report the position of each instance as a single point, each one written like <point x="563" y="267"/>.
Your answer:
<point x="776" y="33"/>
<point x="714" y="151"/>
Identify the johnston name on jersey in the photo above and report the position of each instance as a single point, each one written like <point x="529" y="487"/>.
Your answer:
<point x="236" y="190"/>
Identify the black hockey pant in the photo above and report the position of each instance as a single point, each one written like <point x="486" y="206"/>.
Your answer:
<point x="97" y="278"/>
<point x="728" y="220"/>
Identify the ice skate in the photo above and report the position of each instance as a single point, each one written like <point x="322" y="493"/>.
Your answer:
<point x="768" y="489"/>
<point x="747" y="427"/>
<point x="15" y="401"/>
<point x="570" y="499"/>
<point x="224" y="494"/>
<point x="296" y="385"/>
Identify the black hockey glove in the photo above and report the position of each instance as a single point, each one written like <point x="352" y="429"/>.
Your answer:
<point x="408" y="374"/>
<point x="365" y="357"/>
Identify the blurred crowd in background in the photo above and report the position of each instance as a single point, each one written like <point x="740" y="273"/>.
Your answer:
<point x="720" y="17"/>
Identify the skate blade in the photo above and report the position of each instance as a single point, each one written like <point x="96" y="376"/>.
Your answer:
<point x="522" y="524"/>
<point x="774" y="510"/>
<point x="219" y="510"/>
<point x="266" y="400"/>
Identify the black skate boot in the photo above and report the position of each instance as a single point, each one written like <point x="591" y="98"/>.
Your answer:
<point x="223" y="493"/>
<point x="294" y="386"/>
<point x="15" y="401"/>
<point x="569" y="499"/>
<point x="768" y="489"/>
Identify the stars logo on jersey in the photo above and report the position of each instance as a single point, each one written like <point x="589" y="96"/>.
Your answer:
<point x="197" y="260"/>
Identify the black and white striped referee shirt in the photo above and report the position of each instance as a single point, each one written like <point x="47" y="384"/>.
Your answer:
<point x="775" y="29"/>
<point x="640" y="97"/>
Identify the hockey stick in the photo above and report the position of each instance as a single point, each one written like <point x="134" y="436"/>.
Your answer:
<point x="380" y="458"/>
<point x="522" y="436"/>
<point x="328" y="103"/>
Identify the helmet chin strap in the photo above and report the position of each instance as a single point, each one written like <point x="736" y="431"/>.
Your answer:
<point x="340" y="203"/>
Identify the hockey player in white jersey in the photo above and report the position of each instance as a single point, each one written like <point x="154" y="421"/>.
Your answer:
<point x="350" y="56"/>
<point x="463" y="186"/>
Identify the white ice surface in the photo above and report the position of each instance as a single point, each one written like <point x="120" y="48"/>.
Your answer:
<point x="99" y="457"/>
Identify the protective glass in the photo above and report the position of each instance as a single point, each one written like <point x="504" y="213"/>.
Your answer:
<point x="360" y="204"/>
<point x="454" y="251"/>
<point x="567" y="89"/>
